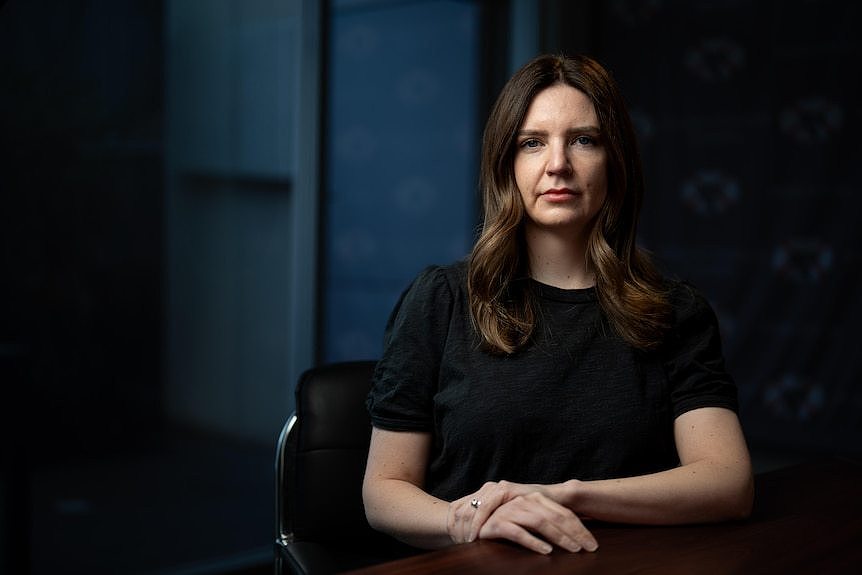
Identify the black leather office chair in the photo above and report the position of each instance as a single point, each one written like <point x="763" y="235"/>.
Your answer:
<point x="320" y="463"/>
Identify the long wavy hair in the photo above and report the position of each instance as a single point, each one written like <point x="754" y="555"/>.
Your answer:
<point x="629" y="288"/>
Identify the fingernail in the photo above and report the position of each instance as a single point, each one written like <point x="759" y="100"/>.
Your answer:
<point x="546" y="549"/>
<point x="591" y="545"/>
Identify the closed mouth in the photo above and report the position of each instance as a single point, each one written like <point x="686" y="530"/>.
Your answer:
<point x="558" y="192"/>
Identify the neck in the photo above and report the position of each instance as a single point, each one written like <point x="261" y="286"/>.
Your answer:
<point x="558" y="260"/>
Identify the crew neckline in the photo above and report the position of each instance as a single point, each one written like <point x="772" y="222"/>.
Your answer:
<point x="579" y="295"/>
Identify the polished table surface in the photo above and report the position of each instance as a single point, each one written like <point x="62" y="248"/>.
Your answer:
<point x="807" y="519"/>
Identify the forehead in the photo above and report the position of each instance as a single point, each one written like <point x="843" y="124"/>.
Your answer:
<point x="560" y="104"/>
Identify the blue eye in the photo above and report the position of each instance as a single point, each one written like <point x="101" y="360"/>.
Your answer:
<point x="584" y="140"/>
<point x="530" y="143"/>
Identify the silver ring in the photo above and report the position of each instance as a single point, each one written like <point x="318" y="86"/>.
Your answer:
<point x="475" y="503"/>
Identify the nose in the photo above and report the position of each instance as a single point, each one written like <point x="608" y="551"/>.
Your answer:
<point x="558" y="161"/>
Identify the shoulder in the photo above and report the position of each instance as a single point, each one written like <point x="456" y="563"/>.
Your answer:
<point x="434" y="292"/>
<point x="687" y="302"/>
<point x="694" y="323"/>
<point x="440" y="279"/>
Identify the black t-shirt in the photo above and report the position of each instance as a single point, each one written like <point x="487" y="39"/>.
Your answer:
<point x="577" y="403"/>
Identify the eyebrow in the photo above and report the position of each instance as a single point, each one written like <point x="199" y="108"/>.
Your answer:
<point x="577" y="130"/>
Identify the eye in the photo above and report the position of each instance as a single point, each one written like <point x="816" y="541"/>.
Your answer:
<point x="584" y="140"/>
<point x="530" y="143"/>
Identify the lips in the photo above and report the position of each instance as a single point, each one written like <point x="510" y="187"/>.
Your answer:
<point x="558" y="194"/>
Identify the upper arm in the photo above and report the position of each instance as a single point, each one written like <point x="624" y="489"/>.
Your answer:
<point x="711" y="439"/>
<point x="400" y="455"/>
<point x="713" y="434"/>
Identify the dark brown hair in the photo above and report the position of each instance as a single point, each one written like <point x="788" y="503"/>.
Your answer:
<point x="629" y="287"/>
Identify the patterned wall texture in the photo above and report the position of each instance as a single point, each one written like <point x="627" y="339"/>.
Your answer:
<point x="402" y="147"/>
<point x="749" y="115"/>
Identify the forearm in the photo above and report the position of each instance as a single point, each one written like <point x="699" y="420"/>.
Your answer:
<point x="699" y="492"/>
<point x="406" y="512"/>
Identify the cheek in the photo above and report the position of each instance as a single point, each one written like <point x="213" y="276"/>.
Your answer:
<point x="598" y="189"/>
<point x="599" y="180"/>
<point x="597" y="183"/>
<point x="522" y="179"/>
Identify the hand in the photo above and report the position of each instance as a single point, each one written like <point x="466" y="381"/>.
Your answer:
<point x="466" y="515"/>
<point x="465" y="520"/>
<point x="518" y="511"/>
<point x="536" y="521"/>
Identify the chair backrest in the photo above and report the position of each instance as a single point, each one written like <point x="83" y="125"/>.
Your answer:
<point x="321" y="456"/>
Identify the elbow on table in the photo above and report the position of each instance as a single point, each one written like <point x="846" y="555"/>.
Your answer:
<point x="732" y="499"/>
<point x="372" y="515"/>
<point x="378" y="506"/>
<point x="379" y="526"/>
<point x="377" y="521"/>
<point x="741" y="504"/>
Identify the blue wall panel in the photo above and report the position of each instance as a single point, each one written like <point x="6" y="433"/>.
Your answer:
<point x="402" y="151"/>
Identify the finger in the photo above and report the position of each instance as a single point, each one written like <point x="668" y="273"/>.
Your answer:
<point x="486" y="501"/>
<point x="559" y="525"/>
<point x="466" y="524"/>
<point x="547" y="520"/>
<point x="464" y="512"/>
<point x="476" y="505"/>
<point x="481" y="505"/>
<point x="516" y="534"/>
<point x="493" y="495"/>
<point x="568" y="537"/>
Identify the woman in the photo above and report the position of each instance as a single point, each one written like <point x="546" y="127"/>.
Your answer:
<point x="555" y="376"/>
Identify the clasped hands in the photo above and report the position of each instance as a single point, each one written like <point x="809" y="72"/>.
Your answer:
<point x="521" y="513"/>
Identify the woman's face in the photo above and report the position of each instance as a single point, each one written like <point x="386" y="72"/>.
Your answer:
<point x="561" y="162"/>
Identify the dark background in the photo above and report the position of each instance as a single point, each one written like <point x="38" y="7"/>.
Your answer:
<point x="748" y="114"/>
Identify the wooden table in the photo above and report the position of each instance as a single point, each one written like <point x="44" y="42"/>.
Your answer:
<point x="807" y="519"/>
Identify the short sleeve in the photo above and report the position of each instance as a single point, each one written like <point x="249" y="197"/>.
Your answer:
<point x="693" y="356"/>
<point x="405" y="379"/>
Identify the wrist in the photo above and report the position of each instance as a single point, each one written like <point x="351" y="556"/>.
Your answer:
<point x="448" y="525"/>
<point x="569" y="493"/>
